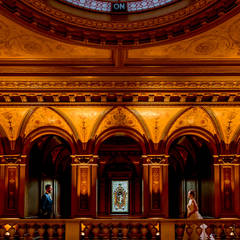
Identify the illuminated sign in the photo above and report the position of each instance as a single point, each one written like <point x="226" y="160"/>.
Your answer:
<point x="119" y="7"/>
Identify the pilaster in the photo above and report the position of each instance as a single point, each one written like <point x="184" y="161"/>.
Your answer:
<point x="84" y="185"/>
<point x="12" y="185"/>
<point x="155" y="180"/>
<point x="227" y="185"/>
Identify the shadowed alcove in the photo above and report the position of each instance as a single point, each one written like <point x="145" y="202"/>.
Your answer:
<point x="49" y="163"/>
<point x="120" y="163"/>
<point x="190" y="167"/>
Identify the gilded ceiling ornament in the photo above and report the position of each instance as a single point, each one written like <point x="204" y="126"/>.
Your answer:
<point x="156" y="28"/>
<point x="119" y="117"/>
<point x="45" y="117"/>
<point x="194" y="117"/>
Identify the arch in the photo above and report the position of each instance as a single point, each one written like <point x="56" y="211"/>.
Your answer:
<point x="234" y="146"/>
<point x="197" y="126"/>
<point x="215" y="123"/>
<point x="39" y="132"/>
<point x="211" y="140"/>
<point x="99" y="120"/>
<point x="142" y="122"/>
<point x="58" y="112"/>
<point x="4" y="141"/>
<point x="121" y="112"/>
<point x="25" y="121"/>
<point x="121" y="131"/>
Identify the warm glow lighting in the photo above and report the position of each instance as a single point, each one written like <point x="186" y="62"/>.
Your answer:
<point x="7" y="227"/>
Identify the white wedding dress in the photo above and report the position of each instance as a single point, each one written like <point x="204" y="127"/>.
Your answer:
<point x="192" y="205"/>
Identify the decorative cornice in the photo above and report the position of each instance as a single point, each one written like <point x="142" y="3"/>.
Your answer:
<point x="43" y="7"/>
<point x="12" y="159"/>
<point x="155" y="159"/>
<point x="227" y="159"/>
<point x="120" y="93"/>
<point x="84" y="159"/>
<point x="196" y="17"/>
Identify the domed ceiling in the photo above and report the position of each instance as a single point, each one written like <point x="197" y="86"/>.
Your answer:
<point x="116" y="6"/>
<point x="127" y="23"/>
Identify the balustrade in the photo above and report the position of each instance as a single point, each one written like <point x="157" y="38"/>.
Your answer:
<point x="21" y="229"/>
<point x="118" y="229"/>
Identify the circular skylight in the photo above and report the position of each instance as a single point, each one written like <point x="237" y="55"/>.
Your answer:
<point x="115" y="6"/>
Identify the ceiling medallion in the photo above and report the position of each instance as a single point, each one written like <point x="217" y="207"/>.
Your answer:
<point x="159" y="25"/>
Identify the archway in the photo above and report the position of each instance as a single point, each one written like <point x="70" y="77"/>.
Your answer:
<point x="120" y="176"/>
<point x="49" y="163"/>
<point x="190" y="167"/>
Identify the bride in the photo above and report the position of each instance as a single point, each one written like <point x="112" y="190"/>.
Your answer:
<point x="193" y="213"/>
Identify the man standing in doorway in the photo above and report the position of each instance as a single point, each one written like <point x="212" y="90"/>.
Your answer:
<point x="46" y="203"/>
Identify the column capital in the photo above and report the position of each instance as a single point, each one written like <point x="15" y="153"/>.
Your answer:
<point x="84" y="159"/>
<point x="13" y="159"/>
<point x="226" y="159"/>
<point x="155" y="159"/>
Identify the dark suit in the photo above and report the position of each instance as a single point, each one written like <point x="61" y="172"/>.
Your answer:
<point x="46" y="206"/>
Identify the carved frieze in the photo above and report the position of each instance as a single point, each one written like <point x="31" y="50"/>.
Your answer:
<point x="227" y="159"/>
<point x="13" y="159"/>
<point x="84" y="159"/>
<point x="155" y="159"/>
<point x="147" y="31"/>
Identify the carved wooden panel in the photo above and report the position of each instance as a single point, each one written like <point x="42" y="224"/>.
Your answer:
<point x="227" y="189"/>
<point x="12" y="189"/>
<point x="156" y="195"/>
<point x="84" y="187"/>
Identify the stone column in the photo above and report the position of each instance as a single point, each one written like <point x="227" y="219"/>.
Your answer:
<point x="227" y="185"/>
<point x="84" y="186"/>
<point x="155" y="185"/>
<point x="12" y="185"/>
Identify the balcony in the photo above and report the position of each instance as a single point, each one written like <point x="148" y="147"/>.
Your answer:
<point x="116" y="229"/>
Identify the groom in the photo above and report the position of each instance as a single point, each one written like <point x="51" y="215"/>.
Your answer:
<point x="46" y="203"/>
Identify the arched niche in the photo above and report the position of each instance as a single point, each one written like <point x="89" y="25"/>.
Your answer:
<point x="190" y="167"/>
<point x="119" y="176"/>
<point x="49" y="162"/>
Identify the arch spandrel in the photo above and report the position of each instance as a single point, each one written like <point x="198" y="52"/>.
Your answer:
<point x="11" y="120"/>
<point x="45" y="117"/>
<point x="228" y="119"/>
<point x="194" y="117"/>
<point x="84" y="119"/>
<point x="156" y="119"/>
<point x="120" y="117"/>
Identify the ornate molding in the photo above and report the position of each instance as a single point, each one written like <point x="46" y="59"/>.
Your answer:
<point x="84" y="159"/>
<point x="227" y="159"/>
<point x="194" y="8"/>
<point x="155" y="159"/>
<point x="117" y="96"/>
<point x="198" y="16"/>
<point x="13" y="159"/>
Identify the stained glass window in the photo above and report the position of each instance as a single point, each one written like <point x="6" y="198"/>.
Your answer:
<point x="120" y="196"/>
<point x="131" y="5"/>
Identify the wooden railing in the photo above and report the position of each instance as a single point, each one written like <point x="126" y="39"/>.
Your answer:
<point x="26" y="229"/>
<point x="117" y="229"/>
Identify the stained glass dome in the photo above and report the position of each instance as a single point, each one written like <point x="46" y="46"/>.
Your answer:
<point x="119" y="6"/>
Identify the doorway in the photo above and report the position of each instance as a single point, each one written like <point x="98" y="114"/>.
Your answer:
<point x="190" y="168"/>
<point x="120" y="177"/>
<point x="49" y="163"/>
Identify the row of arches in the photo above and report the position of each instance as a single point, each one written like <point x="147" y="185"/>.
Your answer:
<point x="120" y="158"/>
<point x="110" y="120"/>
<point x="157" y="174"/>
